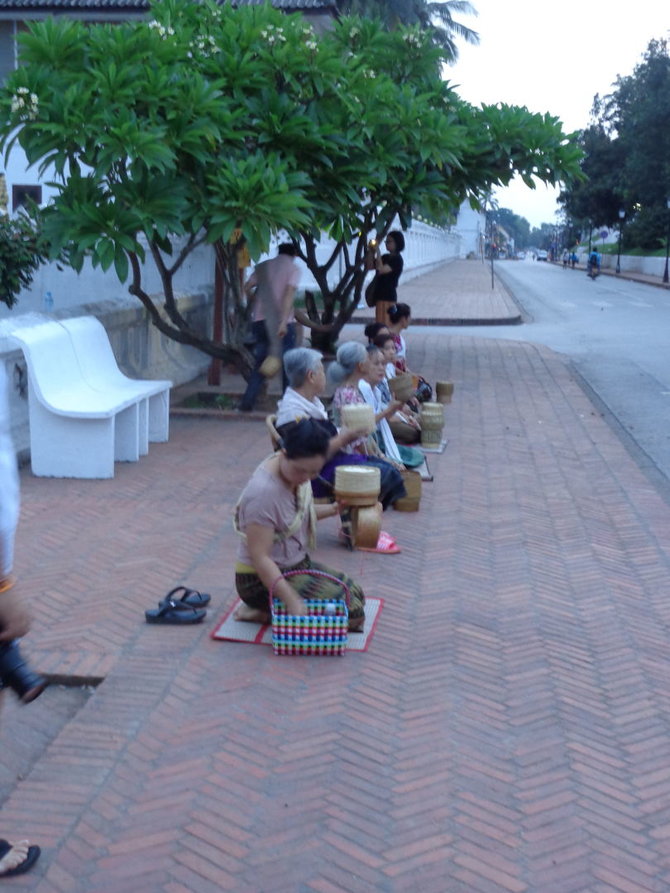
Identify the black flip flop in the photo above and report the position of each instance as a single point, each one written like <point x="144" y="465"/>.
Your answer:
<point x="190" y="597"/>
<point x="175" y="613"/>
<point x="32" y="856"/>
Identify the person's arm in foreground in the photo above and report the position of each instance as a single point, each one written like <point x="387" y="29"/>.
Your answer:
<point x="259" y="546"/>
<point x="286" y="307"/>
<point x="14" y="618"/>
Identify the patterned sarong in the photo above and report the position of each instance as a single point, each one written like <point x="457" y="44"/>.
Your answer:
<point x="253" y="592"/>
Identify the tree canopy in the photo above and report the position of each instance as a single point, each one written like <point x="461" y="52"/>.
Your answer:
<point x="167" y="133"/>
<point x="627" y="154"/>
<point x="436" y="18"/>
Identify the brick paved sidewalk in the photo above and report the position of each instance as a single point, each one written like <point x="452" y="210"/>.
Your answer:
<point x="508" y="730"/>
<point x="461" y="292"/>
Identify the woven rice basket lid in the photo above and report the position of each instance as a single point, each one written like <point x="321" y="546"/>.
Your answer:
<point x="432" y="413"/>
<point x="358" y="416"/>
<point x="357" y="479"/>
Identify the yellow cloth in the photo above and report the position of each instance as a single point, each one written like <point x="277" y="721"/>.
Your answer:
<point x="241" y="568"/>
<point x="243" y="256"/>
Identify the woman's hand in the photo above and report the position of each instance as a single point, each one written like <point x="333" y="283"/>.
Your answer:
<point x="393" y="407"/>
<point x="259" y="543"/>
<point x="14" y="618"/>
<point x="350" y="435"/>
<point x="327" y="511"/>
<point x="294" y="603"/>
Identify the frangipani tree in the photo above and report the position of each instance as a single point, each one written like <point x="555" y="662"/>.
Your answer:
<point x="176" y="131"/>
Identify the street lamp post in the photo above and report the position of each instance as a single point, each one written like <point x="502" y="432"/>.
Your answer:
<point x="492" y="248"/>
<point x="667" y="245"/>
<point x="622" y="214"/>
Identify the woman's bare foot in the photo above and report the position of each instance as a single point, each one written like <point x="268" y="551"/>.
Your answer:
<point x="251" y="615"/>
<point x="19" y="858"/>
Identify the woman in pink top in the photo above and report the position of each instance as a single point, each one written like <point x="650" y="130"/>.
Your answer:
<point x="276" y="519"/>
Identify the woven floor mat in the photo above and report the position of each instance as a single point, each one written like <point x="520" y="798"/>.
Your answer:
<point x="230" y="630"/>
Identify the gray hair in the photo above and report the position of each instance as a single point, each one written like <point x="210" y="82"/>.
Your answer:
<point x="299" y="362"/>
<point x="349" y="355"/>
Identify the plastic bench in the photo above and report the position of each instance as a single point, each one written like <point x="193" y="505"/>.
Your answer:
<point x="82" y="417"/>
<point x="98" y="365"/>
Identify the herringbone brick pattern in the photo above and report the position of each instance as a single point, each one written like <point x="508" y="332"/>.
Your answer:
<point x="508" y="730"/>
<point x="458" y="292"/>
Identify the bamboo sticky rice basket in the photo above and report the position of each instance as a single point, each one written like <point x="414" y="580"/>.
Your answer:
<point x="444" y="391"/>
<point x="402" y="386"/>
<point x="432" y="423"/>
<point x="357" y="484"/>
<point x="358" y="416"/>
<point x="410" y="503"/>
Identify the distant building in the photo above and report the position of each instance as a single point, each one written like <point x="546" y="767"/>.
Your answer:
<point x="471" y="227"/>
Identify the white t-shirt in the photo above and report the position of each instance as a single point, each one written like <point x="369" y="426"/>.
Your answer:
<point x="9" y="483"/>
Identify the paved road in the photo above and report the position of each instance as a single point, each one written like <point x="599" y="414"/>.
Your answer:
<point x="615" y="332"/>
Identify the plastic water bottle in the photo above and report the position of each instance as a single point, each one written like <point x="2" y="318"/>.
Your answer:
<point x="48" y="302"/>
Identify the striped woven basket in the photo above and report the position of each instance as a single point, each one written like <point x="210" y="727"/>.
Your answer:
<point x="322" y="631"/>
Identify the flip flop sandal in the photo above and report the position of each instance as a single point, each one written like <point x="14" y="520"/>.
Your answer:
<point x="175" y="613"/>
<point x="32" y="856"/>
<point x="190" y="597"/>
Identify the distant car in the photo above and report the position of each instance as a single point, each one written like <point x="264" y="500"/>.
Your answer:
<point x="521" y="255"/>
<point x="542" y="254"/>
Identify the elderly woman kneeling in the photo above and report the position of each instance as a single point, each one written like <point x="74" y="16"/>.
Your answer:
<point x="307" y="379"/>
<point x="275" y="517"/>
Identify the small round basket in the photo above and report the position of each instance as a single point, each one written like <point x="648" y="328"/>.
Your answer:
<point x="444" y="391"/>
<point x="432" y="423"/>
<point x="357" y="484"/>
<point x="270" y="366"/>
<point x="366" y="524"/>
<point x="402" y="386"/>
<point x="410" y="503"/>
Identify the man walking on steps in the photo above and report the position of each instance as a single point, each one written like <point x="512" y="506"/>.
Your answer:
<point x="271" y="289"/>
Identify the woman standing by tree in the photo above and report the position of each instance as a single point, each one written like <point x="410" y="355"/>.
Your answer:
<point x="388" y="268"/>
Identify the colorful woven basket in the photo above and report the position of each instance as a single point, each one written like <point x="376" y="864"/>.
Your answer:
<point x="322" y="631"/>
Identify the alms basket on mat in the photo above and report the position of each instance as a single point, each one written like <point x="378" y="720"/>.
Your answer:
<point x="323" y="630"/>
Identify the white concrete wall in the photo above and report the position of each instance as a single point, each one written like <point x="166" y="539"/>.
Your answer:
<point x="70" y="289"/>
<point x="650" y="266"/>
<point x="470" y="226"/>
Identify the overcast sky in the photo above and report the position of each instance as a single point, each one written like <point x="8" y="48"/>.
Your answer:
<point x="552" y="58"/>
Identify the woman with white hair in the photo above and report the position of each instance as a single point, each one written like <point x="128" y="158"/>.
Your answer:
<point x="307" y="379"/>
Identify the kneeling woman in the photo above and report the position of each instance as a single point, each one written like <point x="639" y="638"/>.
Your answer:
<point x="276" y="519"/>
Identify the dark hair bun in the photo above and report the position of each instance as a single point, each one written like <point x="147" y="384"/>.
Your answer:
<point x="305" y="438"/>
